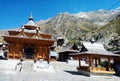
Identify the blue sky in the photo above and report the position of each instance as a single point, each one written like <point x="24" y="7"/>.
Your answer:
<point x="14" y="13"/>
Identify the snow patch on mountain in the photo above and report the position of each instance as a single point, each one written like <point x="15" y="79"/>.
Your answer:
<point x="82" y="15"/>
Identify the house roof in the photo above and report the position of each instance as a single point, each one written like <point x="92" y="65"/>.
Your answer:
<point x="67" y="48"/>
<point x="95" y="49"/>
<point x="116" y="52"/>
<point x="62" y="48"/>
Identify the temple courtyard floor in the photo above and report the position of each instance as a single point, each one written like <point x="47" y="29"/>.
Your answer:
<point x="58" y="71"/>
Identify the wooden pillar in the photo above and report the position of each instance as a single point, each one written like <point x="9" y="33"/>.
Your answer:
<point x="79" y="58"/>
<point x="108" y="67"/>
<point x="35" y="54"/>
<point x="43" y="52"/>
<point x="90" y="61"/>
<point x="99" y="61"/>
<point x="48" y="56"/>
<point x="95" y="62"/>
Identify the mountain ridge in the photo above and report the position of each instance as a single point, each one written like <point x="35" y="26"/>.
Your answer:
<point x="78" y="26"/>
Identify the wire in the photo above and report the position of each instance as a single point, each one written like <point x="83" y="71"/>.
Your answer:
<point x="114" y="5"/>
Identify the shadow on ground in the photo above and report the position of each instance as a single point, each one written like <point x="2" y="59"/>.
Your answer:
<point x="1" y="58"/>
<point x="118" y="75"/>
<point x="72" y="72"/>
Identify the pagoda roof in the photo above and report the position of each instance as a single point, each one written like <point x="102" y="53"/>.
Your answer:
<point x="25" y="30"/>
<point x="29" y="32"/>
<point x="17" y="31"/>
<point x="25" y="39"/>
<point x="30" y="23"/>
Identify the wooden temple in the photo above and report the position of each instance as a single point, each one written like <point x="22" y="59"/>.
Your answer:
<point x="95" y="60"/>
<point x="28" y="42"/>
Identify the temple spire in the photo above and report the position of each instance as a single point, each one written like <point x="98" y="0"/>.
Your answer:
<point x="31" y="18"/>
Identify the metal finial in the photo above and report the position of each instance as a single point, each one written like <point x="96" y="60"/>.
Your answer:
<point x="31" y="18"/>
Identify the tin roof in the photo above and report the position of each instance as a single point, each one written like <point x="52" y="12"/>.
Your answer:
<point x="95" y="49"/>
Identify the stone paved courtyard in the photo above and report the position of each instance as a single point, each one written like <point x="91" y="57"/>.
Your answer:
<point x="63" y="72"/>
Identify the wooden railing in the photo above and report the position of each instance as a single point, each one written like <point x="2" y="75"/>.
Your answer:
<point x="95" y="69"/>
<point x="101" y="70"/>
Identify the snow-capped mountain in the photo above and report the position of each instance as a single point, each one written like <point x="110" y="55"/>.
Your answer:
<point x="99" y="17"/>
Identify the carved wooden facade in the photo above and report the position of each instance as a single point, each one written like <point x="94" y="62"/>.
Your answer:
<point x="28" y="42"/>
